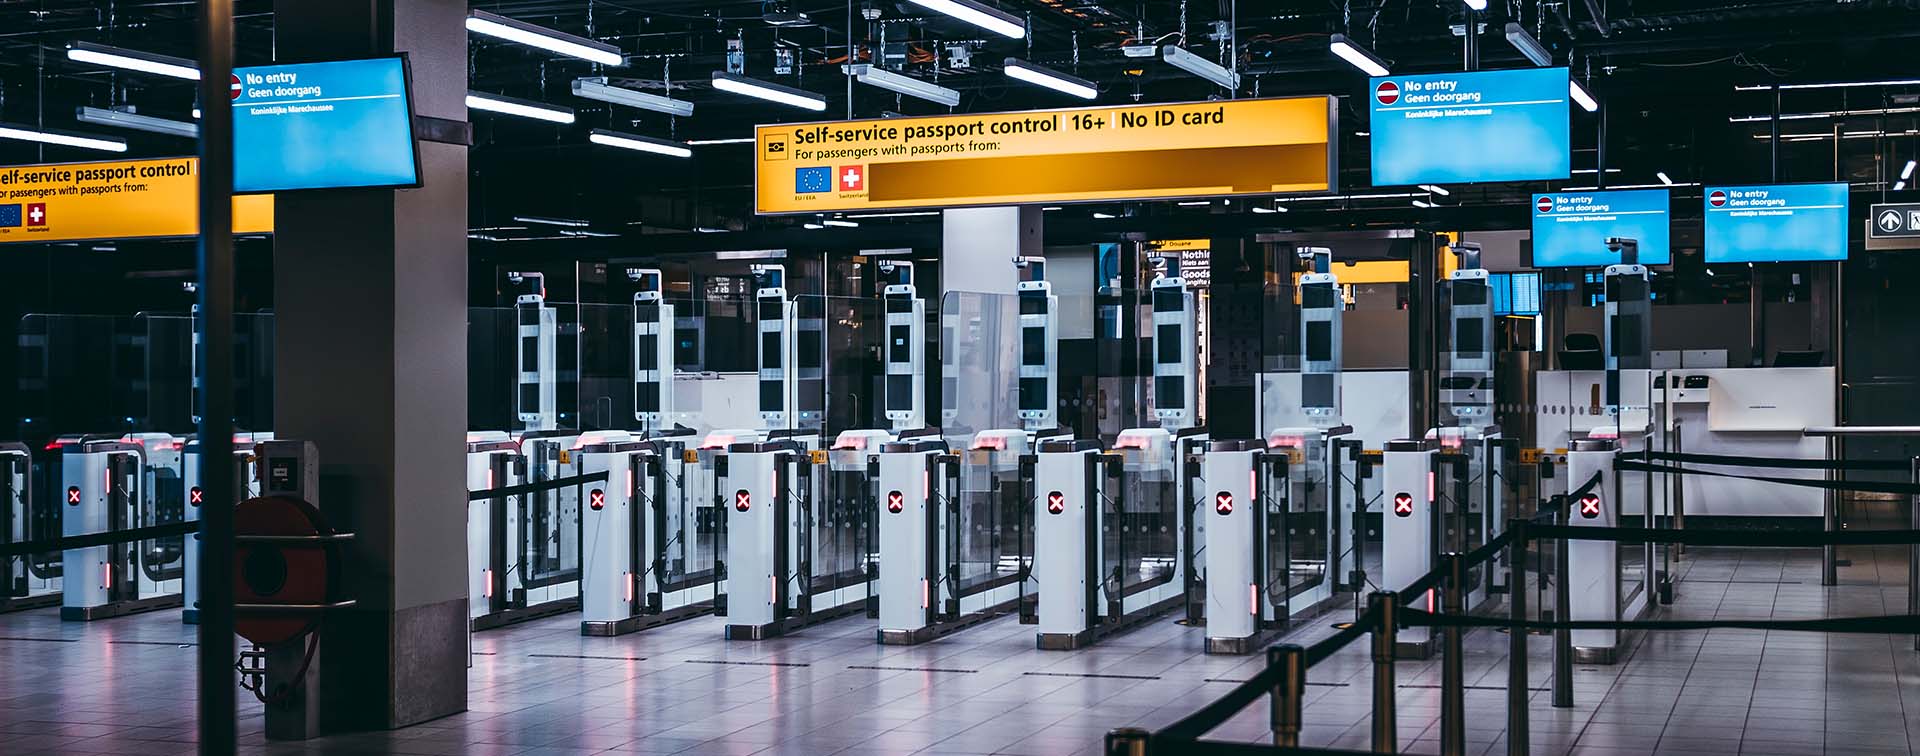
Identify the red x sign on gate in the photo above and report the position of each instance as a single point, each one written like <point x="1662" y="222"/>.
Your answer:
<point x="73" y="495"/>
<point x="742" y="500"/>
<point x="1223" y="503"/>
<point x="896" y="502"/>
<point x="1056" y="503"/>
<point x="597" y="499"/>
<point x="1590" y="506"/>
<point x="196" y="496"/>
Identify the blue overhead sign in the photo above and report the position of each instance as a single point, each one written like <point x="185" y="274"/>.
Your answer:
<point x="1776" y="223"/>
<point x="1570" y="229"/>
<point x="1468" y="127"/>
<point x="323" y="126"/>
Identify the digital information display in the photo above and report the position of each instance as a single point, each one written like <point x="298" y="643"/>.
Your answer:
<point x="1515" y="293"/>
<point x="1776" y="223"/>
<point x="1136" y="152"/>
<point x="329" y="125"/>
<point x="1468" y="127"/>
<point x="1570" y="229"/>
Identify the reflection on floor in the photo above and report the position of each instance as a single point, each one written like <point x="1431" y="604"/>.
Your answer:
<point x="126" y="685"/>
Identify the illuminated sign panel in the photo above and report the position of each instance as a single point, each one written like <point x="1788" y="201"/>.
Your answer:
<point x="1571" y="229"/>
<point x="1776" y="223"/>
<point x="329" y="125"/>
<point x="1206" y="149"/>
<point x="122" y="199"/>
<point x="1466" y="127"/>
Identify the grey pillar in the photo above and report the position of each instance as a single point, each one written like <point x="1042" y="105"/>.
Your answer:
<point x="370" y="289"/>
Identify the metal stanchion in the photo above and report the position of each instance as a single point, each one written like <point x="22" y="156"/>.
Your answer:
<point x="1830" y="522"/>
<point x="1562" y="637"/>
<point x="1289" y="694"/>
<point x="1386" y="612"/>
<point x="1517" y="693"/>
<point x="1453" y="678"/>
<point x="1913" y="553"/>
<point x="1126" y="741"/>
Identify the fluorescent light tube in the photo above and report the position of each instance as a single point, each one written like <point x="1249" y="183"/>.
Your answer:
<point x="1662" y="175"/>
<point x="1907" y="172"/>
<point x="1267" y="210"/>
<point x="1103" y="216"/>
<point x="1582" y="96"/>
<point x="639" y="143"/>
<point x="1358" y="56"/>
<point x="1899" y="185"/>
<point x="906" y="85"/>
<point x="1518" y="37"/>
<point x="1833" y="85"/>
<point x="105" y="117"/>
<point x="544" y="221"/>
<point x="812" y="226"/>
<point x="1478" y="5"/>
<point x="769" y="91"/>
<point x="1051" y="79"/>
<point x="840" y="223"/>
<point x="1436" y="189"/>
<point x="517" y="107"/>
<point x="992" y="19"/>
<point x="1423" y="204"/>
<point x="597" y="88"/>
<point x="134" y="60"/>
<point x="64" y="139"/>
<point x="513" y="30"/>
<point x="1178" y="57"/>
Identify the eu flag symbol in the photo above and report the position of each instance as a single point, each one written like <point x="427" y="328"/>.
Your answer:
<point x="9" y="216"/>
<point x="812" y="180"/>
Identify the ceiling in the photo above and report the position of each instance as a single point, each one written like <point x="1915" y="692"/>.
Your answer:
<point x="1667" y="70"/>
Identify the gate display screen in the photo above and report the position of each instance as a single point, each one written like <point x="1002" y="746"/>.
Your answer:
<point x="1467" y="127"/>
<point x="1570" y="229"/>
<point x="1776" y="223"/>
<point x="335" y="125"/>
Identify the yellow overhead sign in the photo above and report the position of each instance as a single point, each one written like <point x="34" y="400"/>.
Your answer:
<point x="1140" y="152"/>
<point x="122" y="199"/>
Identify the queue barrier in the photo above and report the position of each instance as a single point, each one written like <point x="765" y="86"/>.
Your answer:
<point x="1283" y="680"/>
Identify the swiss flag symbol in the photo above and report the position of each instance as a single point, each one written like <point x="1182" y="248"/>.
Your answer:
<point x="37" y="214"/>
<point x="1387" y="93"/>
<point x="1717" y="198"/>
<point x="1544" y="204"/>
<point x="853" y="178"/>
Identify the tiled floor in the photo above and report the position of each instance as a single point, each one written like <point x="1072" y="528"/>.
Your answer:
<point x="126" y="685"/>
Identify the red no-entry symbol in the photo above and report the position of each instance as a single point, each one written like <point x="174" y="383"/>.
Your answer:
<point x="1544" y="204"/>
<point x="1717" y="198"/>
<point x="1387" y="93"/>
<point x="896" y="502"/>
<point x="1403" y="504"/>
<point x="1223" y="503"/>
<point x="597" y="499"/>
<point x="1590" y="506"/>
<point x="1056" y="503"/>
<point x="742" y="500"/>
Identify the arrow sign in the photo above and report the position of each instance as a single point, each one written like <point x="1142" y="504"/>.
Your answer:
<point x="1895" y="221"/>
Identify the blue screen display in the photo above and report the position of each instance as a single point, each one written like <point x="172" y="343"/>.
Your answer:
<point x="323" y="126"/>
<point x="1570" y="229"/>
<point x="1776" y="223"/>
<point x="1515" y="293"/>
<point x="1466" y="127"/>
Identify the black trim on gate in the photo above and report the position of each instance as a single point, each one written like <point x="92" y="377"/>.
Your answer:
<point x="497" y="535"/>
<point x="1091" y="527"/>
<point x="1258" y="509"/>
<point x="930" y="573"/>
<point x="781" y="546"/>
<point x="637" y="470"/>
<point x="1190" y="583"/>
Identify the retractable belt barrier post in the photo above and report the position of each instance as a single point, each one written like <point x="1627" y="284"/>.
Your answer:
<point x="1386" y="612"/>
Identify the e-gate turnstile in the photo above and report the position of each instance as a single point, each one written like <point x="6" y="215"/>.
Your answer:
<point x="648" y="560"/>
<point x="776" y="513"/>
<point x="493" y="461"/>
<point x="105" y="491"/>
<point x="25" y="580"/>
<point x="956" y="534"/>
<point x="533" y="539"/>
<point x="246" y="485"/>
<point x="1275" y="550"/>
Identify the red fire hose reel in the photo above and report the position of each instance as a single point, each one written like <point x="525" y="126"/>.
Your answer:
<point x="286" y="569"/>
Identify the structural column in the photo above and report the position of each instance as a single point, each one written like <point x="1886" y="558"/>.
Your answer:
<point x="370" y="361"/>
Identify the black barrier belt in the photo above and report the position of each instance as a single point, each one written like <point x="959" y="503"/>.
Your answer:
<point x="1189" y="729"/>
<point x="1899" y="489"/>
<point x="527" y="488"/>
<point x="1559" y="501"/>
<point x="1332" y="644"/>
<point x="1783" y="539"/>
<point x="1474" y="558"/>
<point x="1894" y="624"/>
<point x="1899" y="465"/>
<point x="90" y="540"/>
<point x="1214" y="748"/>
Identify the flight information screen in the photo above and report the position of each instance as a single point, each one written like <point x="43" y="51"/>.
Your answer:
<point x="334" y="125"/>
